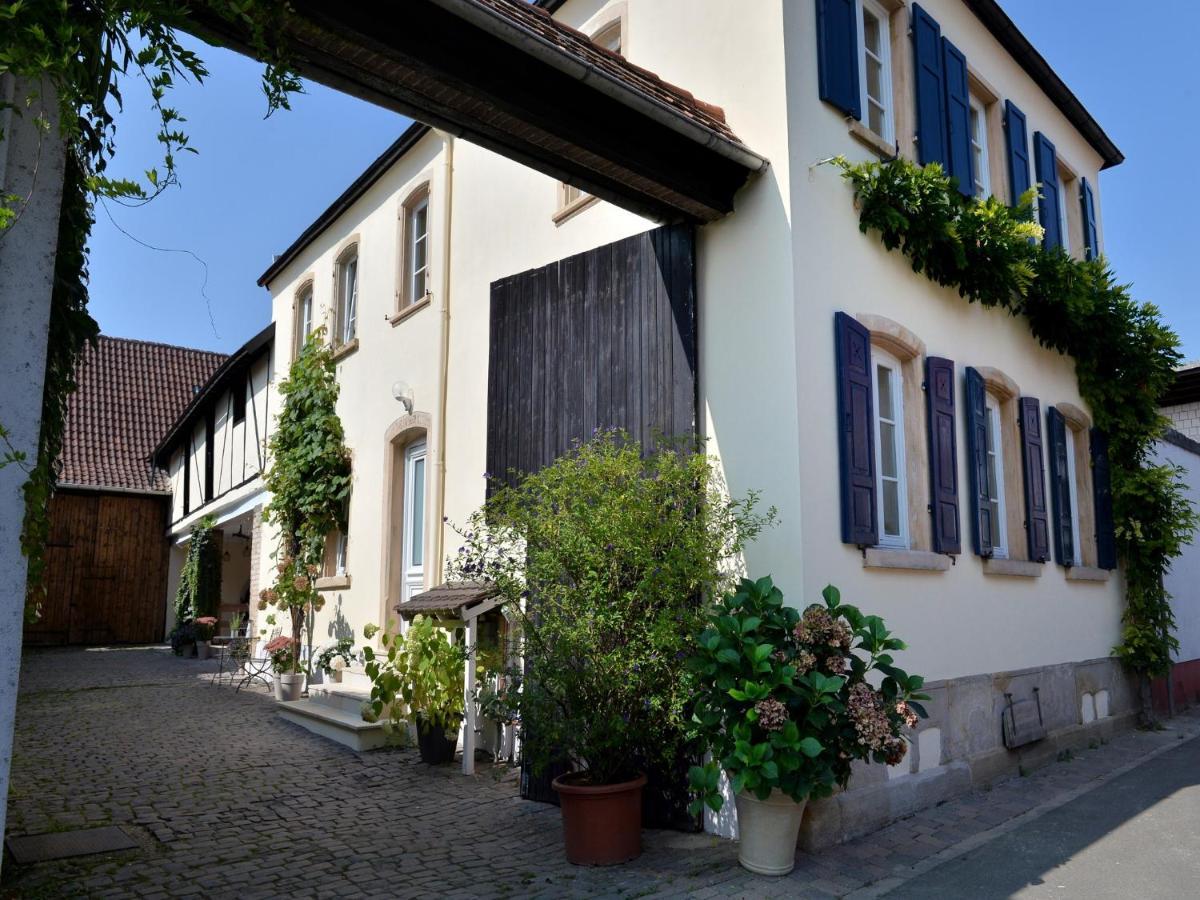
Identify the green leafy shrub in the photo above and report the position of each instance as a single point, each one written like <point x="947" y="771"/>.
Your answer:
<point x="1125" y="357"/>
<point x="604" y="557"/>
<point x="783" y="700"/>
<point x="418" y="678"/>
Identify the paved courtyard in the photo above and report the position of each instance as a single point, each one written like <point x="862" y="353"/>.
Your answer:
<point x="227" y="800"/>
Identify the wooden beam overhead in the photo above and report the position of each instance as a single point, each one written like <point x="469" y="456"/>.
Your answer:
<point x="526" y="88"/>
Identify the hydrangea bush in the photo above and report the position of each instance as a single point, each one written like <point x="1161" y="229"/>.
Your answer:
<point x="785" y="698"/>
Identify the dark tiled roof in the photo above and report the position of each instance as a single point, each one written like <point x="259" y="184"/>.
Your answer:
<point x="449" y="597"/>
<point x="129" y="394"/>
<point x="642" y="81"/>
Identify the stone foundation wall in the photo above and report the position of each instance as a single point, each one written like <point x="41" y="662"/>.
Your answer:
<point x="961" y="746"/>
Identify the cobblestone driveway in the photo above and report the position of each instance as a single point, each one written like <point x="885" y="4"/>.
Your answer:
<point x="228" y="800"/>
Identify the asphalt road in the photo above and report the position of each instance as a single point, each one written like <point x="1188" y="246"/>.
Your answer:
<point x="1138" y="836"/>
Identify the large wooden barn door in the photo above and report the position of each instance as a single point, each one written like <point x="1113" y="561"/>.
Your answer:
<point x="603" y="339"/>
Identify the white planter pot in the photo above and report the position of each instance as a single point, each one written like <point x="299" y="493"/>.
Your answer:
<point x="767" y="832"/>
<point x="289" y="686"/>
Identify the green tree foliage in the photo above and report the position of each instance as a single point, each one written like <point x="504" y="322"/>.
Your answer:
<point x="615" y="552"/>
<point x="199" y="592"/>
<point x="1124" y="356"/>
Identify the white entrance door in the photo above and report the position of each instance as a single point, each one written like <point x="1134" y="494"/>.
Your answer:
<point x="412" y="553"/>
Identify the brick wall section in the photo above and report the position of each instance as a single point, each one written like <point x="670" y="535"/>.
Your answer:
<point x="256" y="548"/>
<point x="1185" y="419"/>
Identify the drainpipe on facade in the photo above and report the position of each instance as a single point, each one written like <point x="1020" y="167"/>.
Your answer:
<point x="439" y="460"/>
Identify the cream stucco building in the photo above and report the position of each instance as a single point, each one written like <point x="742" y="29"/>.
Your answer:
<point x="408" y="271"/>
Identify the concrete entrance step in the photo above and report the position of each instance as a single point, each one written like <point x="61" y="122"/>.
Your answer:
<point x="339" y="697"/>
<point x="348" y="729"/>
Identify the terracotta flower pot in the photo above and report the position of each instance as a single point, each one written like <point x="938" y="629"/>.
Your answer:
<point x="767" y="832"/>
<point x="289" y="686"/>
<point x="602" y="824"/>
<point x="437" y="748"/>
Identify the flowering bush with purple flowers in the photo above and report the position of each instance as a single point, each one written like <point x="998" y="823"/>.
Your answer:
<point x="605" y="558"/>
<point x="783" y="700"/>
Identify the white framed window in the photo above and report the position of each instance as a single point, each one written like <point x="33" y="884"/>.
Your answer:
<point x="1073" y="485"/>
<point x="415" y="251"/>
<point x="979" y="148"/>
<point x="890" y="481"/>
<point x="339" y="554"/>
<point x="347" y="297"/>
<point x="304" y="317"/>
<point x="875" y="69"/>
<point x="995" y="479"/>
<point x="412" y="551"/>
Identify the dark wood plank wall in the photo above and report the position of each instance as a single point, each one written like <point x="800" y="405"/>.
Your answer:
<point x="106" y="570"/>
<point x="603" y="339"/>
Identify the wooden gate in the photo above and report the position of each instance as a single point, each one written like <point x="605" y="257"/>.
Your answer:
<point x="106" y="570"/>
<point x="603" y="339"/>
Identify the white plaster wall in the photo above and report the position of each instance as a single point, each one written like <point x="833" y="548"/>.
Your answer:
<point x="1184" y="576"/>
<point x="961" y="621"/>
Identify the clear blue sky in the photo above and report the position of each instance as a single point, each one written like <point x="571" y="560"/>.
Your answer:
<point x="257" y="183"/>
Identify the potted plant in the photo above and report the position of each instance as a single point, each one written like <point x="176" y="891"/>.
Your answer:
<point x="602" y="558"/>
<point x="418" y="680"/>
<point x="284" y="655"/>
<point x="183" y="638"/>
<point x="785" y="702"/>
<point x="204" y="627"/>
<point x="334" y="659"/>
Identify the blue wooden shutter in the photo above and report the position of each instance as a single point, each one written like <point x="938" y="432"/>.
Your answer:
<point x="943" y="455"/>
<point x="929" y="78"/>
<point x="983" y="529"/>
<point x="1017" y="145"/>
<point x="1106" y="540"/>
<point x="959" y="158"/>
<point x="856" y="432"/>
<point x="837" y="55"/>
<point x="1060" y="488"/>
<point x="1087" y="204"/>
<point x="1037" y="519"/>
<point x="1046" y="161"/>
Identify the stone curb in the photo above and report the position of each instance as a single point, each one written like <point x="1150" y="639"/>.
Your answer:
<point x="886" y="885"/>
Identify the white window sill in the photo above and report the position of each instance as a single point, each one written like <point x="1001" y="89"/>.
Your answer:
<point x="870" y="139"/>
<point x="343" y="350"/>
<point x="397" y="317"/>
<point x="575" y="206"/>
<point x="1019" y="568"/>
<point x="332" y="583"/>
<point x="1087" y="573"/>
<point x="911" y="560"/>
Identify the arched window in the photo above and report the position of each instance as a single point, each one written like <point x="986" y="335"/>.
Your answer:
<point x="414" y="249"/>
<point x="346" y="284"/>
<point x="304" y="317"/>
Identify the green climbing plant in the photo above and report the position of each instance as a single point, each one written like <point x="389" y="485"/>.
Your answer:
<point x="199" y="592"/>
<point x="87" y="59"/>
<point x="1125" y="357"/>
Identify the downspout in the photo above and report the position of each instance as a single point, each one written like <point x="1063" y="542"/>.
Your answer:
<point x="439" y="461"/>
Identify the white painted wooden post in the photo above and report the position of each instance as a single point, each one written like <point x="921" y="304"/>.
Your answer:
<point x="469" y="698"/>
<point x="31" y="165"/>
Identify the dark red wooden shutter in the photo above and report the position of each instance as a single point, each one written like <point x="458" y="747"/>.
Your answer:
<point x="837" y="55"/>
<point x="1060" y="488"/>
<point x="982" y="527"/>
<point x="1046" y="159"/>
<point x="1016" y="139"/>
<point x="1037" y="519"/>
<point x="959" y="158"/>
<point x="856" y="435"/>
<point x="943" y="455"/>
<point x="1106" y="540"/>
<point x="929" y="80"/>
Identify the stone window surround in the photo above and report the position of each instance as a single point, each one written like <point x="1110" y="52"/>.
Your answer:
<point x="406" y="305"/>
<point x="346" y="247"/>
<point x="1080" y="423"/>
<point x="900" y="342"/>
<point x="308" y="282"/>
<point x="400" y="434"/>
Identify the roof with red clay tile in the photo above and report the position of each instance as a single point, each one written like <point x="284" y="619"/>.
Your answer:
<point x="130" y="392"/>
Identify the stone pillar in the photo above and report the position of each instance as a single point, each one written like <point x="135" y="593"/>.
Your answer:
<point x="31" y="166"/>
<point x="256" y="550"/>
